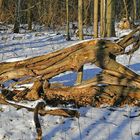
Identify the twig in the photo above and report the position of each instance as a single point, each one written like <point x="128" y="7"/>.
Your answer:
<point x="134" y="116"/>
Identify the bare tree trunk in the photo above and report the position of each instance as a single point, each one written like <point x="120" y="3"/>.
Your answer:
<point x="126" y="10"/>
<point x="1" y="5"/>
<point x="17" y="16"/>
<point x="102" y="18"/>
<point x="135" y="10"/>
<point x="96" y="18"/>
<point x="80" y="19"/>
<point x="110" y="18"/>
<point x="29" y="16"/>
<point x="80" y="27"/>
<point x="67" y="26"/>
<point x="138" y="9"/>
<point x="86" y="12"/>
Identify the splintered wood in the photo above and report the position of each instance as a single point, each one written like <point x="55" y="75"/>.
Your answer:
<point x="115" y="85"/>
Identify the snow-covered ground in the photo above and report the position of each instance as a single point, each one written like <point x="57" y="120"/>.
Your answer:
<point x="94" y="123"/>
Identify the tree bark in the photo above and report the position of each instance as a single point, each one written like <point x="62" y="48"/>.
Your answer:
<point x="102" y="18"/>
<point x="96" y="18"/>
<point x="67" y="15"/>
<point x="135" y="9"/>
<point x="110" y="18"/>
<point x="90" y="95"/>
<point x="80" y="28"/>
<point x="126" y="10"/>
<point x="47" y="66"/>
<point x="116" y="81"/>
<point x="80" y="19"/>
<point x="17" y="16"/>
<point x="29" y="16"/>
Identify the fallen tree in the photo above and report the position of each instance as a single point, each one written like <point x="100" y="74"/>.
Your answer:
<point x="113" y="83"/>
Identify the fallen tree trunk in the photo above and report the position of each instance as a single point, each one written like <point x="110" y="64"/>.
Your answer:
<point x="91" y="95"/>
<point x="118" y="79"/>
<point x="43" y="65"/>
<point x="53" y="66"/>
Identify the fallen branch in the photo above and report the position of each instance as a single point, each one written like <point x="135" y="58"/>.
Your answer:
<point x="39" y="106"/>
<point x="54" y="112"/>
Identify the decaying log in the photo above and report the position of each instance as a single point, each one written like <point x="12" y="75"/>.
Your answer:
<point x="90" y="95"/>
<point x="45" y="64"/>
<point x="89" y="54"/>
<point x="115" y="78"/>
<point x="40" y="65"/>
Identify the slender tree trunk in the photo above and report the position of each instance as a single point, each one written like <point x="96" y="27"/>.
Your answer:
<point x="17" y="16"/>
<point x="86" y="12"/>
<point x="135" y="10"/>
<point x="1" y="4"/>
<point x="102" y="18"/>
<point x="67" y="15"/>
<point x="96" y="18"/>
<point x="80" y="27"/>
<point x="29" y="15"/>
<point x="138" y="9"/>
<point x="126" y="10"/>
<point x="80" y="19"/>
<point x="110" y="18"/>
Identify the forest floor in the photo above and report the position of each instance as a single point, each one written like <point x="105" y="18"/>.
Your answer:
<point x="105" y="123"/>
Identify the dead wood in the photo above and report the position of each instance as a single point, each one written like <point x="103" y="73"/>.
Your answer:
<point x="90" y="95"/>
<point x="33" y="94"/>
<point x="39" y="106"/>
<point x="2" y="100"/>
<point x="130" y="35"/>
<point x="111" y="80"/>
<point x="55" y="112"/>
<point x="49" y="65"/>
<point x="20" y="95"/>
<point x="115" y="76"/>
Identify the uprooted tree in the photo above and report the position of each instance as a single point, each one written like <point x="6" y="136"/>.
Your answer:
<point x="115" y="85"/>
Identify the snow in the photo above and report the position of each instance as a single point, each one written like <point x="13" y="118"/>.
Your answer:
<point x="106" y="123"/>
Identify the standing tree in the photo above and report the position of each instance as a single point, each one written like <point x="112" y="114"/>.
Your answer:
<point x="67" y="15"/>
<point x="110" y="18"/>
<point x="80" y="28"/>
<point x="126" y="10"/>
<point x="95" y="18"/>
<point x="17" y="16"/>
<point x="135" y="9"/>
<point x="80" y="19"/>
<point x="1" y="4"/>
<point x="102" y="18"/>
<point x="86" y="12"/>
<point x="29" y="16"/>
